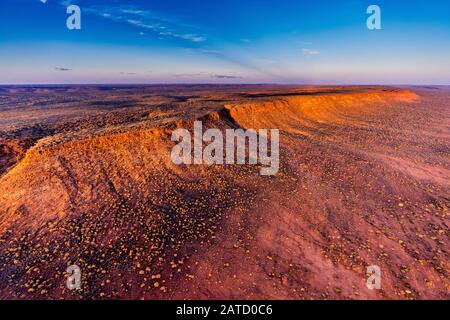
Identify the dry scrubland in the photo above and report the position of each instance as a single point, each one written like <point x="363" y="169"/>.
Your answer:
<point x="86" y="179"/>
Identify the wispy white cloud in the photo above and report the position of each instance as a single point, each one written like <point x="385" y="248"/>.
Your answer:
<point x="206" y="75"/>
<point x="66" y="3"/>
<point x="310" y="52"/>
<point x="225" y="76"/>
<point x="209" y="51"/>
<point x="148" y="22"/>
<point x="146" y="19"/>
<point x="141" y="24"/>
<point x="192" y="37"/>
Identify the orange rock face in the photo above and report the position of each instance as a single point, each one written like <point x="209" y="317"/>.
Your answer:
<point x="87" y="180"/>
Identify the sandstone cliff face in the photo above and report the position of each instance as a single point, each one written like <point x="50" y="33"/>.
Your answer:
<point x="358" y="185"/>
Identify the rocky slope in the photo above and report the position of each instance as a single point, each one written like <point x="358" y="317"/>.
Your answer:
<point x="364" y="180"/>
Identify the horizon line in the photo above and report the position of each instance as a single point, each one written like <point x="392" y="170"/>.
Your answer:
<point x="218" y="83"/>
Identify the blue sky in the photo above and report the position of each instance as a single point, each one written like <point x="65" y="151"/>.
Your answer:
<point x="226" y="41"/>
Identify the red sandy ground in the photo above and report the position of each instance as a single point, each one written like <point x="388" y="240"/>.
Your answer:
<point x="86" y="179"/>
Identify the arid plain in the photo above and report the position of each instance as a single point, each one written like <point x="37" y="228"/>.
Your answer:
<point x="86" y="178"/>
